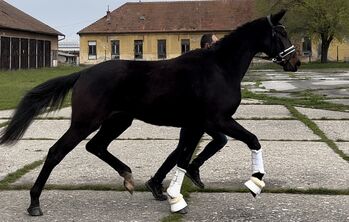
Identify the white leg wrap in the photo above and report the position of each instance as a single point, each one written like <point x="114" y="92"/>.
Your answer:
<point x="257" y="162"/>
<point x="174" y="190"/>
<point x="175" y="198"/>
<point x="256" y="185"/>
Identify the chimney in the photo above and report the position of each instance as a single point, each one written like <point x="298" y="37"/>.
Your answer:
<point x="108" y="15"/>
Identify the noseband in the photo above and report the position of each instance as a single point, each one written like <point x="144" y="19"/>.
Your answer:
<point x="281" y="56"/>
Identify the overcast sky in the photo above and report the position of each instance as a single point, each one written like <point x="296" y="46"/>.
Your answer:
<point x="68" y="16"/>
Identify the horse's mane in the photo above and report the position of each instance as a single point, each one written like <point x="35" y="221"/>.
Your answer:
<point x="232" y="40"/>
<point x="241" y="33"/>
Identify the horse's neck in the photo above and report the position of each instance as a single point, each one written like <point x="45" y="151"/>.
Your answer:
<point x="242" y="62"/>
<point x="237" y="54"/>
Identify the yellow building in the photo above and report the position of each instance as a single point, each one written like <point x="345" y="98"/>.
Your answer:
<point x="311" y="50"/>
<point x="339" y="51"/>
<point x="159" y="30"/>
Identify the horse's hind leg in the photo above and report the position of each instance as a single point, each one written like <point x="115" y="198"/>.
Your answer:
<point x="57" y="152"/>
<point x="190" y="138"/>
<point x="111" y="129"/>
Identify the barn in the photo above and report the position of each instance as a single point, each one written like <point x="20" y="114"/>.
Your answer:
<point x="25" y="41"/>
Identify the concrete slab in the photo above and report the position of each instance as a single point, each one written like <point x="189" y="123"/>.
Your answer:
<point x="21" y="154"/>
<point x="278" y="85"/>
<point x="5" y="114"/>
<point x="279" y="129"/>
<point x="333" y="93"/>
<point x="288" y="165"/>
<point x="84" y="206"/>
<point x="264" y="129"/>
<point x="251" y="101"/>
<point x="262" y="111"/>
<point x="270" y="207"/>
<point x="344" y="146"/>
<point x="54" y="129"/>
<point x="323" y="114"/>
<point x="335" y="130"/>
<point x="63" y="113"/>
<point x="339" y="101"/>
<point x="80" y="167"/>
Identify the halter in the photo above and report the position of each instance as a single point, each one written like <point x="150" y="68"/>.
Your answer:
<point x="281" y="56"/>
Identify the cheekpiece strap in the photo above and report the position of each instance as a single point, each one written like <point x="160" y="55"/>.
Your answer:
<point x="269" y="20"/>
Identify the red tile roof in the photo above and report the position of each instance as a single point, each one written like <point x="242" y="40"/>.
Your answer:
<point x="176" y="16"/>
<point x="13" y="18"/>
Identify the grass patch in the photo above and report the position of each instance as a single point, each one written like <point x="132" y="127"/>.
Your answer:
<point x="310" y="191"/>
<point x="192" y="189"/>
<point x="13" y="177"/>
<point x="316" y="130"/>
<point x="173" y="218"/>
<point x="14" y="84"/>
<point x="292" y="75"/>
<point x="3" y="124"/>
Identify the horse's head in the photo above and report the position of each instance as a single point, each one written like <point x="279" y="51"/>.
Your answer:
<point x="278" y="46"/>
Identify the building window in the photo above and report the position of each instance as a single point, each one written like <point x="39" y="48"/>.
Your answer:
<point x="306" y="46"/>
<point x="185" y="45"/>
<point x="115" y="49"/>
<point x="162" y="49"/>
<point x="138" y="49"/>
<point x="92" y="50"/>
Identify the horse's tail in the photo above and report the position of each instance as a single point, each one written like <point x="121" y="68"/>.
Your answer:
<point x="47" y="96"/>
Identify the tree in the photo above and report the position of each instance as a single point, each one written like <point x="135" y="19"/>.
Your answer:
<point x="320" y="19"/>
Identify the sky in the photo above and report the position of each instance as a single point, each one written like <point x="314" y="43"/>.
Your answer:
<point x="68" y="16"/>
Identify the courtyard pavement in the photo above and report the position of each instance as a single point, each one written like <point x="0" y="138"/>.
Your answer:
<point x="307" y="180"/>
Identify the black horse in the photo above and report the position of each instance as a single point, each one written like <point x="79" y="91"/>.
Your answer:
<point x="199" y="90"/>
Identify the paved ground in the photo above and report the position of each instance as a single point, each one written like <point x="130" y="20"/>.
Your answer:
<point x="307" y="177"/>
<point x="295" y="159"/>
<point x="330" y="83"/>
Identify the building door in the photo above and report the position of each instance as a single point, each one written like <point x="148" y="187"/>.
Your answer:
<point x="14" y="53"/>
<point x="5" y="53"/>
<point x="24" y="53"/>
<point x="32" y="53"/>
<point x="40" y="54"/>
<point x="162" y="49"/>
<point x="138" y="50"/>
<point x="47" y="54"/>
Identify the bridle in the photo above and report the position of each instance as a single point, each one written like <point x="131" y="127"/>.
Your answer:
<point x="280" y="58"/>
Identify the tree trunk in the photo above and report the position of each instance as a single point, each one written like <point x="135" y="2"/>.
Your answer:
<point x="325" y="45"/>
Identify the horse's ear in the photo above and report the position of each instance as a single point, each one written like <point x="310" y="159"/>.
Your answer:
<point x="275" y="19"/>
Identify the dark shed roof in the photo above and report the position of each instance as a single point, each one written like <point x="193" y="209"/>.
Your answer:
<point x="13" y="18"/>
<point x="176" y="16"/>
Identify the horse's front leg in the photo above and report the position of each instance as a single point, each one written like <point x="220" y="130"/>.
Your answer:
<point x="190" y="138"/>
<point x="233" y="129"/>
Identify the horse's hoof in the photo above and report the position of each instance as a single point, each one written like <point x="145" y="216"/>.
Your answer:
<point x="183" y="211"/>
<point x="255" y="186"/>
<point x="177" y="204"/>
<point x="35" y="211"/>
<point x="129" y="183"/>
